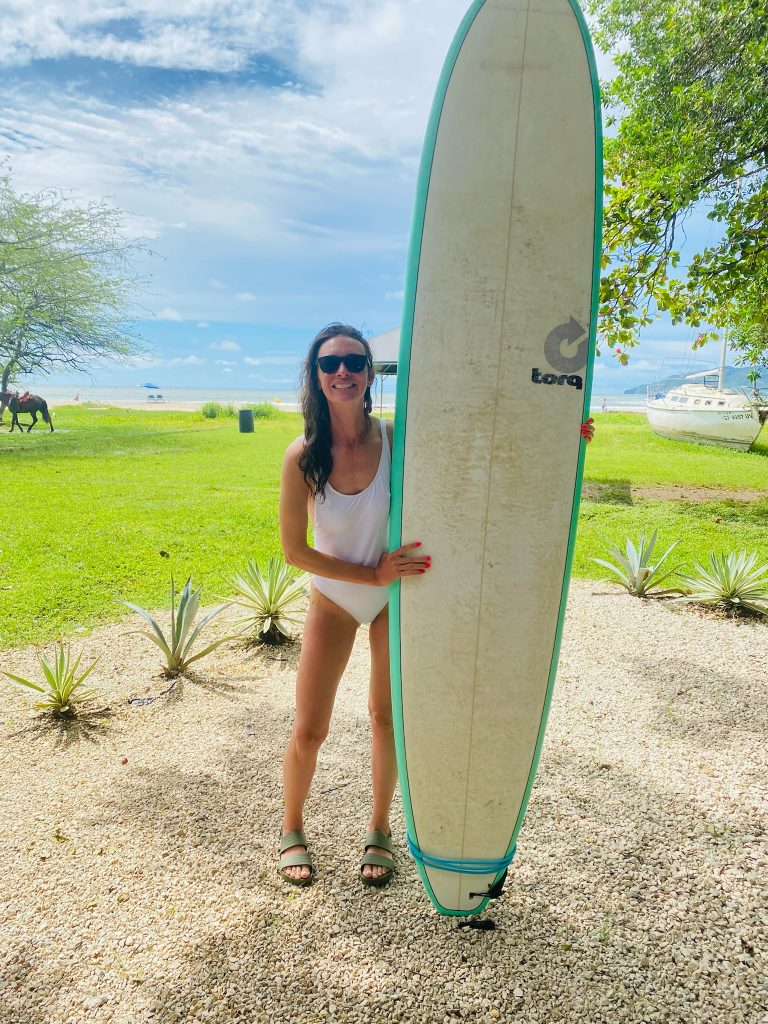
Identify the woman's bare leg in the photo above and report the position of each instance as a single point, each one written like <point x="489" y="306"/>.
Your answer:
<point x="383" y="762"/>
<point x="329" y="633"/>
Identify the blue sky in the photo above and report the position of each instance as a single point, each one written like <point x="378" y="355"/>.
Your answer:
<point x="266" y="150"/>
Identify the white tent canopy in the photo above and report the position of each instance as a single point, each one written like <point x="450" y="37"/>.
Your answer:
<point x="385" y="349"/>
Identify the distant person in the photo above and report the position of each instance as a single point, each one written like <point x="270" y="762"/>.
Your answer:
<point x="604" y="405"/>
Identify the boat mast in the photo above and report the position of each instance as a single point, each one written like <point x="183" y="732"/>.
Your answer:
<point x="721" y="374"/>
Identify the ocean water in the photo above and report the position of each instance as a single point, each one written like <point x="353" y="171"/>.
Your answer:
<point x="118" y="395"/>
<point x="240" y="396"/>
<point x="618" y="403"/>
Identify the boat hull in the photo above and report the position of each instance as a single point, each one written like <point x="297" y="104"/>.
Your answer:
<point x="728" y="428"/>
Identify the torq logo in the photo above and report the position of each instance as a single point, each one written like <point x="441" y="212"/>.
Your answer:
<point x="553" y="352"/>
<point x="552" y="378"/>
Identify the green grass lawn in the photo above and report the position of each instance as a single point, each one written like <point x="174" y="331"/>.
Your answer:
<point x="626" y="454"/>
<point x="627" y="451"/>
<point x="89" y="508"/>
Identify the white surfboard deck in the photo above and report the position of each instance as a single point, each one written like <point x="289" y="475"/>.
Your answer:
<point x="493" y="383"/>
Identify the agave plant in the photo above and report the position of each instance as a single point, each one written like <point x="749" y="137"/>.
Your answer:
<point x="269" y="598"/>
<point x="177" y="648"/>
<point x="62" y="690"/>
<point x="635" y="570"/>
<point x="731" y="581"/>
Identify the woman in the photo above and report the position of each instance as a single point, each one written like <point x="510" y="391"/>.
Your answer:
<point x="337" y="476"/>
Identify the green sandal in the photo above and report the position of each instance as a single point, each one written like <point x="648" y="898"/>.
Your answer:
<point x="378" y="860"/>
<point x="296" y="860"/>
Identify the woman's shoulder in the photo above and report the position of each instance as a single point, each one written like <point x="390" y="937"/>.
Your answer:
<point x="294" y="449"/>
<point x="388" y="426"/>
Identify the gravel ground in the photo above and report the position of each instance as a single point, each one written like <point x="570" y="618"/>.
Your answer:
<point x="139" y="874"/>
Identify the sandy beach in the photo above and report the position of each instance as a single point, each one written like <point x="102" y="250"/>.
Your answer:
<point x="139" y="849"/>
<point x="170" y="406"/>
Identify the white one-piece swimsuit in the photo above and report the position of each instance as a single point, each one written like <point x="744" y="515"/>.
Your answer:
<point x="355" y="528"/>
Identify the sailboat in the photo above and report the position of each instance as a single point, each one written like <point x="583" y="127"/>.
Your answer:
<point x="703" y="411"/>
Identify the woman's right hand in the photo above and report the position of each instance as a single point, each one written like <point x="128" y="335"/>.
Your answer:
<point x="393" y="565"/>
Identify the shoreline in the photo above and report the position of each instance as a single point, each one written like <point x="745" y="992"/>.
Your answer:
<point x="174" y="405"/>
<point x="171" y="405"/>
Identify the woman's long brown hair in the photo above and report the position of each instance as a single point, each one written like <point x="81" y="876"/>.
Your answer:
<point x="315" y="460"/>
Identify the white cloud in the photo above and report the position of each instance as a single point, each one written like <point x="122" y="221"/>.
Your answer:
<point x="203" y="323"/>
<point x="199" y="34"/>
<point x="280" y="360"/>
<point x="241" y="158"/>
<point x="240" y="181"/>
<point x="272" y="360"/>
<point x="225" y="346"/>
<point x="169" y="314"/>
<point x="224" y="362"/>
<point x="160" y="361"/>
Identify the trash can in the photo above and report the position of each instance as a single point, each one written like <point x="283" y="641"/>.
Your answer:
<point x="246" y="421"/>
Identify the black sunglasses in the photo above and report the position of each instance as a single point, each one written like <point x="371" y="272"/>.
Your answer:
<point x="355" y="362"/>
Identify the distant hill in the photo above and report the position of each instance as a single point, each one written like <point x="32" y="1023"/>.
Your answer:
<point x="735" y="377"/>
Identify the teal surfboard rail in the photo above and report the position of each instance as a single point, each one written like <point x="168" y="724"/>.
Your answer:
<point x="401" y="402"/>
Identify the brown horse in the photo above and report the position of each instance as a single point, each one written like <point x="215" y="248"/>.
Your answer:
<point x="33" y="404"/>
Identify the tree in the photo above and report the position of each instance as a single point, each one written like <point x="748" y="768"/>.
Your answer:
<point x="687" y="130"/>
<point x="65" y="284"/>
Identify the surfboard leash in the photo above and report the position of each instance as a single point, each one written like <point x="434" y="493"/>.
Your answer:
<point x="469" y="866"/>
<point x="472" y="866"/>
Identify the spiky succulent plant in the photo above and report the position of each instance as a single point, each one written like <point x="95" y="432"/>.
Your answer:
<point x="635" y="570"/>
<point x="269" y="599"/>
<point x="177" y="647"/>
<point x="733" y="582"/>
<point x="62" y="692"/>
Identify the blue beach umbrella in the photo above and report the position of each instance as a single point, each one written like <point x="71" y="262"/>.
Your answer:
<point x="156" y="387"/>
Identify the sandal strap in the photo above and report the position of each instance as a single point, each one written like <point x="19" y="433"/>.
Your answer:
<point x="377" y="860"/>
<point x="296" y="860"/>
<point x="295" y="838"/>
<point x="377" y="838"/>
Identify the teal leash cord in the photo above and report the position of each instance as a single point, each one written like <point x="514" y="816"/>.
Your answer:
<point x="470" y="866"/>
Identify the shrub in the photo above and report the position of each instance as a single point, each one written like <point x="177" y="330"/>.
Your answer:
<point x="268" y="599"/>
<point x="263" y="411"/>
<point x="62" y="691"/>
<point x="217" y="410"/>
<point x="731" y="582"/>
<point x="634" y="569"/>
<point x="177" y="648"/>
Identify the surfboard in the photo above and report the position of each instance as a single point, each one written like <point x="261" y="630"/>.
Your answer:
<point x="494" y="376"/>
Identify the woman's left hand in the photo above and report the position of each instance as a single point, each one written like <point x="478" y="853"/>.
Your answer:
<point x="588" y="430"/>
